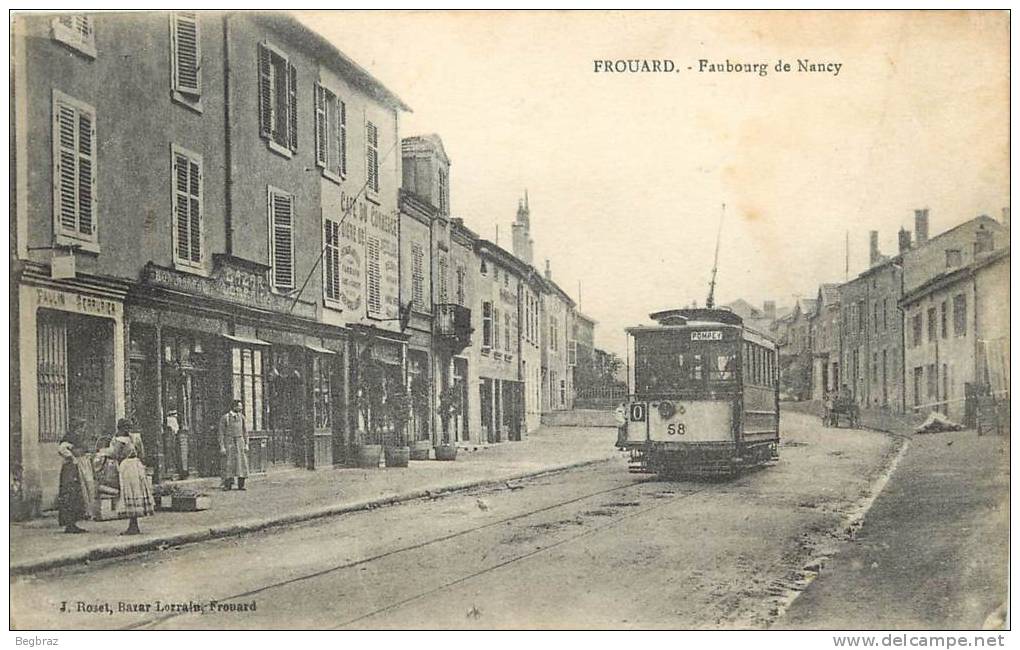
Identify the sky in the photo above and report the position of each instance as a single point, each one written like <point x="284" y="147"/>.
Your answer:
<point x="628" y="173"/>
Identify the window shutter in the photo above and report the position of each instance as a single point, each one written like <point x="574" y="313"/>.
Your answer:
<point x="332" y="261"/>
<point x="372" y="138"/>
<point x="292" y="105"/>
<point x="66" y="176"/>
<point x="342" y="135"/>
<point x="265" y="93"/>
<point x="195" y="198"/>
<point x="320" y="126"/>
<point x="182" y="205"/>
<point x="282" y="206"/>
<point x="187" y="53"/>
<point x="374" y="273"/>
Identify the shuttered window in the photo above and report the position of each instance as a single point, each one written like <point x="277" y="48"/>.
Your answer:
<point x="187" y="207"/>
<point x="372" y="145"/>
<point x="186" y="53"/>
<point x="74" y="168"/>
<point x="330" y="133"/>
<point x="507" y="333"/>
<point x="373" y="270"/>
<point x="277" y="99"/>
<point x="444" y="271"/>
<point x="418" y="277"/>
<point x="77" y="32"/>
<point x="461" y="272"/>
<point x="486" y="326"/>
<point x="331" y="261"/>
<point x="281" y="238"/>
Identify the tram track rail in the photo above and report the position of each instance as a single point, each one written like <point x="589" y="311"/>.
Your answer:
<point x="157" y="620"/>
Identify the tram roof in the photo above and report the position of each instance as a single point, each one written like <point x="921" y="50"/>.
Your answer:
<point x="748" y="332"/>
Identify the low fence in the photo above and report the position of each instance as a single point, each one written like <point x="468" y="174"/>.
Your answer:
<point x="600" y="398"/>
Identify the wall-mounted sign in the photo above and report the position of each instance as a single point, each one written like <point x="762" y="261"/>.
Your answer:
<point x="232" y="283"/>
<point x="351" y="285"/>
<point x="65" y="301"/>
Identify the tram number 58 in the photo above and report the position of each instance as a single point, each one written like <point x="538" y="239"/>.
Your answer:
<point x="676" y="429"/>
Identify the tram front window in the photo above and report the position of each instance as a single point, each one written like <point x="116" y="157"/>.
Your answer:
<point x="668" y="364"/>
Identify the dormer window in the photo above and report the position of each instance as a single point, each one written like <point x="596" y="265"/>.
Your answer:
<point x="444" y="190"/>
<point x="953" y="258"/>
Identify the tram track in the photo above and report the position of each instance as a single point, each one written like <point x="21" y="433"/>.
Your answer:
<point x="525" y="556"/>
<point x="157" y="620"/>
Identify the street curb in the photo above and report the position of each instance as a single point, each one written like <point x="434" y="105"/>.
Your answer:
<point x="253" y="525"/>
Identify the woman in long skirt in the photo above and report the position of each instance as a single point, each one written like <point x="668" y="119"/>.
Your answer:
<point x="71" y="497"/>
<point x="135" y="496"/>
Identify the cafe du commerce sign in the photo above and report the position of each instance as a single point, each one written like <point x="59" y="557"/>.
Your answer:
<point x="226" y="283"/>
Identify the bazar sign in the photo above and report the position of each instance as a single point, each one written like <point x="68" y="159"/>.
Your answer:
<point x="226" y="283"/>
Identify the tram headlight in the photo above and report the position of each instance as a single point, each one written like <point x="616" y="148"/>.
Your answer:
<point x="666" y="409"/>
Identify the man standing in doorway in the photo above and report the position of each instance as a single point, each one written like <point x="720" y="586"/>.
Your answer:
<point x="234" y="447"/>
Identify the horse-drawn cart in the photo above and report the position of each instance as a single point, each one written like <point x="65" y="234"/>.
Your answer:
<point x="844" y="408"/>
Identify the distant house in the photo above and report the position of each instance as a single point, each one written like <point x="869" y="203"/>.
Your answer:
<point x="825" y="341"/>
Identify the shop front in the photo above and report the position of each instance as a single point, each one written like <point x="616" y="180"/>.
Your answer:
<point x="71" y="359"/>
<point x="192" y="352"/>
<point x="379" y="386"/>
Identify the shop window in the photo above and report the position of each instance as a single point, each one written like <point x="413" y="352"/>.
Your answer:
<point x="331" y="261"/>
<point x="74" y="170"/>
<point x="52" y="378"/>
<point x="187" y="207"/>
<point x="185" y="56"/>
<point x="248" y="384"/>
<point x="321" y="406"/>
<point x="277" y="100"/>
<point x="77" y="32"/>
<point x="281" y="238"/>
<point x="330" y="133"/>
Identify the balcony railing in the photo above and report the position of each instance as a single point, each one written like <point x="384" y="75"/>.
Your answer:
<point x="452" y="326"/>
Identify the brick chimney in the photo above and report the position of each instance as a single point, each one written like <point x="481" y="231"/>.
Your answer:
<point x="548" y="270"/>
<point x="921" y="226"/>
<point x="904" y="240"/>
<point x="769" y="307"/>
<point x="1005" y="217"/>
<point x="874" y="256"/>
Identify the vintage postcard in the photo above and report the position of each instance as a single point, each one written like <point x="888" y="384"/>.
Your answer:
<point x="510" y="320"/>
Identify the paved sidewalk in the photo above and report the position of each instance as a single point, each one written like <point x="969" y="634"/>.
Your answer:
<point x="933" y="552"/>
<point x="294" y="495"/>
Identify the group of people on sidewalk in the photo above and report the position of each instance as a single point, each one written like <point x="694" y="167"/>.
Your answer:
<point x="116" y="470"/>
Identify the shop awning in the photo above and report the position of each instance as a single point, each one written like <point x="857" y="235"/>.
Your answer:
<point x="246" y="340"/>
<point x="316" y="348"/>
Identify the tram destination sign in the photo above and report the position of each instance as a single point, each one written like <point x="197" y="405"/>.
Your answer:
<point x="706" y="335"/>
